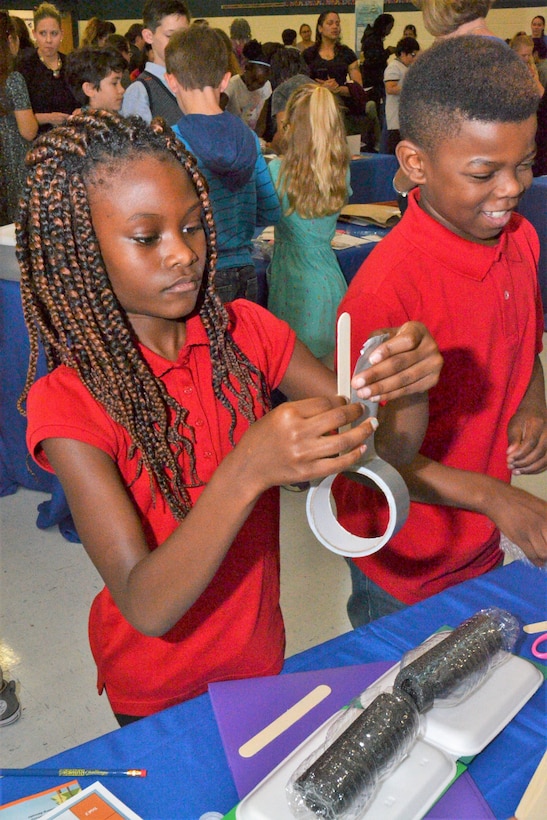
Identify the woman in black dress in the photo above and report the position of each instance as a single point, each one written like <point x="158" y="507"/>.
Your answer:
<point x="44" y="71"/>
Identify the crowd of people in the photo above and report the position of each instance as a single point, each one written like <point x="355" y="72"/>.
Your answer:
<point x="145" y="160"/>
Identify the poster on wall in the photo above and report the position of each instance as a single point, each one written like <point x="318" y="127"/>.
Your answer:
<point x="366" y="12"/>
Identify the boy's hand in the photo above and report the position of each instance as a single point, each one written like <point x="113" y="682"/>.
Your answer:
<point x="299" y="441"/>
<point x="527" y="451"/>
<point x="409" y="362"/>
<point x="522" y="517"/>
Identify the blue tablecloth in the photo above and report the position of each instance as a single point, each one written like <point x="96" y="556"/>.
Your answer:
<point x="182" y="750"/>
<point x="372" y="178"/>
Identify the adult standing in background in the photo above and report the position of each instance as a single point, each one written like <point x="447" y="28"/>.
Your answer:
<point x="329" y="61"/>
<point x="538" y="36"/>
<point x="406" y="52"/>
<point x="44" y="71"/>
<point x="240" y="34"/>
<point x="375" y="57"/>
<point x="18" y="125"/>
<point x="305" y="37"/>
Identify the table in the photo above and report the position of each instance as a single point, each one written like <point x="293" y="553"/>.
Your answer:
<point x="181" y="747"/>
<point x="534" y="207"/>
<point x="17" y="469"/>
<point x="371" y="178"/>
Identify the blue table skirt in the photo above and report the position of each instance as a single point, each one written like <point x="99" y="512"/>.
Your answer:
<point x="17" y="469"/>
<point x="182" y="750"/>
<point x="371" y="178"/>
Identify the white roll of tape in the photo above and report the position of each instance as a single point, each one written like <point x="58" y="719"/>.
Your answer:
<point x="321" y="517"/>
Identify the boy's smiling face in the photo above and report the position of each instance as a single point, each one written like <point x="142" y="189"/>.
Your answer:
<point x="472" y="182"/>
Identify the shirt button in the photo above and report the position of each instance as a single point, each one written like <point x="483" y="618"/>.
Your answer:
<point x="199" y="422"/>
<point x="188" y="390"/>
<point x="506" y="294"/>
<point x="207" y="454"/>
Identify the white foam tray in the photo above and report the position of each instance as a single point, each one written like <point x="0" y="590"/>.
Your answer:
<point x="420" y="779"/>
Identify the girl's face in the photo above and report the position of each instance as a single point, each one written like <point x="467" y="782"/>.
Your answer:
<point x="305" y="33"/>
<point x="48" y="36"/>
<point x="147" y="219"/>
<point x="255" y="76"/>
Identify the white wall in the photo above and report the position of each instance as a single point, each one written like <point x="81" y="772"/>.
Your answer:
<point x="503" y="22"/>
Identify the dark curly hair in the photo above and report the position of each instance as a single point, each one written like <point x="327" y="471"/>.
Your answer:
<point x="463" y="78"/>
<point x="69" y="303"/>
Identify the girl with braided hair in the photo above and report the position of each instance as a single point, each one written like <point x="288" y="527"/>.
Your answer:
<point x="154" y="412"/>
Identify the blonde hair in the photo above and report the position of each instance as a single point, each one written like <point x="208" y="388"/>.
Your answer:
<point x="45" y="11"/>
<point x="442" y="17"/>
<point x="315" y="163"/>
<point x="520" y="40"/>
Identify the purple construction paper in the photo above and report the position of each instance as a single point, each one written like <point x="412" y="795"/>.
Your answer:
<point x="244" y="707"/>
<point x="463" y="799"/>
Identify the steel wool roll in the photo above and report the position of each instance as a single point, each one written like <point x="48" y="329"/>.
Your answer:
<point x="348" y="771"/>
<point x="459" y="663"/>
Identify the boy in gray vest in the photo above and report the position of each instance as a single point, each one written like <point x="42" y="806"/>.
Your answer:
<point x="149" y="95"/>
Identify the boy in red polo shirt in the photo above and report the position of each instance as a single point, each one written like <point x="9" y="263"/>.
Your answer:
<point x="464" y="263"/>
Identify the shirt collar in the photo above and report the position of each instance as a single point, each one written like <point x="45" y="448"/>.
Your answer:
<point x="469" y="259"/>
<point x="195" y="335"/>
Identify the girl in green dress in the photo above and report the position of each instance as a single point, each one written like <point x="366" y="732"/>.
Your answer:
<point x="312" y="178"/>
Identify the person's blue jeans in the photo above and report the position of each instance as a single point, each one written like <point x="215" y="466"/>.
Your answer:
<point x="368" y="601"/>
<point x="237" y="283"/>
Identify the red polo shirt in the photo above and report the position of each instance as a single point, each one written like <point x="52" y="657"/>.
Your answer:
<point x="235" y="629"/>
<point x="482" y="306"/>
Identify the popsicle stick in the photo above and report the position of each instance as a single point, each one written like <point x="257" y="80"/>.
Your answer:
<point x="534" y="799"/>
<point x="343" y="358"/>
<point x="539" y="626"/>
<point x="284" y="721"/>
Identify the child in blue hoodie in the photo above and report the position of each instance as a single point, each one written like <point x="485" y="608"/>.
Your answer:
<point x="228" y="154"/>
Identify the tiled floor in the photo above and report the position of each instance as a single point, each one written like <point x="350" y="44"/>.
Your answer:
<point x="46" y="587"/>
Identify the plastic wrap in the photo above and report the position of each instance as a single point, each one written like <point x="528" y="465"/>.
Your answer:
<point x="339" y="780"/>
<point x="453" y="667"/>
<point x="514" y="552"/>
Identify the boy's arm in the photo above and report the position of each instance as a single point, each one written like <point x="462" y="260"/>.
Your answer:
<point x="527" y="430"/>
<point x="522" y="517"/>
<point x="268" y="208"/>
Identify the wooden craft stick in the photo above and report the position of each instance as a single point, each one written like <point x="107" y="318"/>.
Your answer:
<point x="284" y="721"/>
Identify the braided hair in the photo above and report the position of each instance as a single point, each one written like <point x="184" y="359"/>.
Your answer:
<point x="69" y="303"/>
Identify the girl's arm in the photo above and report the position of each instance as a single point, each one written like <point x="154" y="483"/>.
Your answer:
<point x="154" y="589"/>
<point x="26" y="123"/>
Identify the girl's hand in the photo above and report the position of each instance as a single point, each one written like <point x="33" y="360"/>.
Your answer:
<point x="299" y="441"/>
<point x="409" y="362"/>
